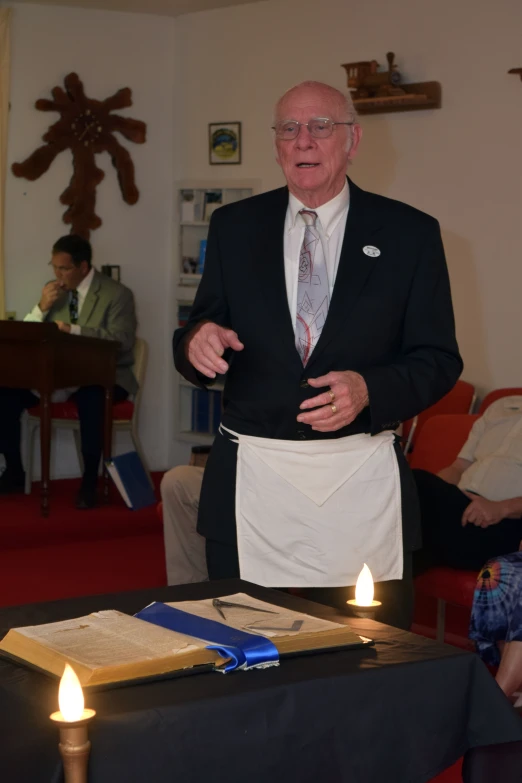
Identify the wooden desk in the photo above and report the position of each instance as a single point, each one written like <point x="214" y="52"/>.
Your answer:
<point x="39" y="356"/>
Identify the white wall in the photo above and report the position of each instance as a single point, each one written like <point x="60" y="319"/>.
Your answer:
<point x="109" y="51"/>
<point x="462" y="164"/>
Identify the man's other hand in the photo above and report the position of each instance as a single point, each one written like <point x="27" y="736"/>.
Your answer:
<point x="482" y="512"/>
<point x="207" y="345"/>
<point x="50" y="293"/>
<point x="63" y="327"/>
<point x="338" y="407"/>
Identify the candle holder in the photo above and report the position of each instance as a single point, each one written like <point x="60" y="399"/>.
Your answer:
<point x="365" y="612"/>
<point x="74" y="745"/>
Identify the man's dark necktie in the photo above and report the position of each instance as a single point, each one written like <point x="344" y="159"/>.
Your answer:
<point x="73" y="307"/>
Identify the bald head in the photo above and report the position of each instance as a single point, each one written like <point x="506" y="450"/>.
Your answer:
<point x="342" y="104"/>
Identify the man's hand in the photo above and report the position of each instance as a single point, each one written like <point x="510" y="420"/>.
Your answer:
<point x="338" y="407"/>
<point x="482" y="512"/>
<point x="50" y="293"/>
<point x="207" y="345"/>
<point x="63" y="327"/>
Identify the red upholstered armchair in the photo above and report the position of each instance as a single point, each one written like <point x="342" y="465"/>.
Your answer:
<point x="459" y="400"/>
<point x="65" y="415"/>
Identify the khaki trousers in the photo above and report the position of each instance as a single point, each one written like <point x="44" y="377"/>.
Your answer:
<point x="184" y="547"/>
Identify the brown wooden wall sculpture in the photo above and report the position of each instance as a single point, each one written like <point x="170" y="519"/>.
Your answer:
<point x="86" y="127"/>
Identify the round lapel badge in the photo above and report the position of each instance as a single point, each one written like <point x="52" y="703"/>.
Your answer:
<point x="371" y="251"/>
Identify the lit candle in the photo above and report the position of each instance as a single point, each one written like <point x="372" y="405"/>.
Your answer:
<point x="363" y="604"/>
<point x="73" y="719"/>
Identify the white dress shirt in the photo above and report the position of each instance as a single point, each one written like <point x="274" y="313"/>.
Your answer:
<point x="36" y="315"/>
<point x="494" y="447"/>
<point x="331" y="223"/>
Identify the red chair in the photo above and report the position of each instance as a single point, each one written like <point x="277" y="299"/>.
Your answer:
<point x="437" y="447"/>
<point x="440" y="441"/>
<point x="459" y="400"/>
<point x="496" y="395"/>
<point x="64" y="415"/>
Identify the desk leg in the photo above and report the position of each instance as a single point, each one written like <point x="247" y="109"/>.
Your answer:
<point x="45" y="450"/>
<point x="107" y="440"/>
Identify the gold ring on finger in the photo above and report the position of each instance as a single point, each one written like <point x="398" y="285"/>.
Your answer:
<point x="332" y="395"/>
<point x="334" y="408"/>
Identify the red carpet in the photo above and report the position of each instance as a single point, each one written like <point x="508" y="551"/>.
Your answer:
<point x="73" y="553"/>
<point x="106" y="550"/>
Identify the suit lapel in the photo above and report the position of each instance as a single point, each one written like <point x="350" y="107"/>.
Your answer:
<point x="91" y="300"/>
<point x="269" y="268"/>
<point x="355" y="267"/>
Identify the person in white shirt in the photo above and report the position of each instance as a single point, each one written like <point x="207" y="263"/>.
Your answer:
<point x="80" y="301"/>
<point x="472" y="510"/>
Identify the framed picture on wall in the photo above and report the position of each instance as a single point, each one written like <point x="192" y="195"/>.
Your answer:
<point x="224" y="142"/>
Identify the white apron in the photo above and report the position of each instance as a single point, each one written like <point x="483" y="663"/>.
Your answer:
<point x="311" y="513"/>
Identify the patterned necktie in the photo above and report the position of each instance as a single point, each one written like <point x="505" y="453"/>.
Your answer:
<point x="73" y="306"/>
<point x="313" y="290"/>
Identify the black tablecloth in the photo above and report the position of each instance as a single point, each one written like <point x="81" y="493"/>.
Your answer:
<point x="399" y="712"/>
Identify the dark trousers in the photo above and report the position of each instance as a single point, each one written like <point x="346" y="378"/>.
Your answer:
<point x="445" y="541"/>
<point x="90" y="401"/>
<point x="396" y="595"/>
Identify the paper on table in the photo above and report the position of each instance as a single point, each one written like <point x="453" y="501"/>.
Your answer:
<point x="271" y="625"/>
<point x="110" y="638"/>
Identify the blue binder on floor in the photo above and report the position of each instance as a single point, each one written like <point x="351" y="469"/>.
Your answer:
<point x="129" y="475"/>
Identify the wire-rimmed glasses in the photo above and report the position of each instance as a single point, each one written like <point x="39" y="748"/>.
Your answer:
<point x="318" y="127"/>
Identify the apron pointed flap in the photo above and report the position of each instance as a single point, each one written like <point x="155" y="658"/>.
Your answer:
<point x="317" y="478"/>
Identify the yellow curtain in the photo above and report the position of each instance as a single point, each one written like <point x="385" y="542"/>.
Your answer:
<point x="5" y="22"/>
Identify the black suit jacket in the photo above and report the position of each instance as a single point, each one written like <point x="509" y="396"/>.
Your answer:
<point x="390" y="319"/>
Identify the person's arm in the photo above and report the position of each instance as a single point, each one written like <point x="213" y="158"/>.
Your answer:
<point x="35" y="316"/>
<point x="512" y="508"/>
<point x="452" y="474"/>
<point x="428" y="364"/>
<point x="121" y="321"/>
<point x="51" y="292"/>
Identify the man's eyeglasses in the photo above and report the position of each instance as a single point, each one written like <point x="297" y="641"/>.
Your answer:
<point x="61" y="268"/>
<point x="318" y="127"/>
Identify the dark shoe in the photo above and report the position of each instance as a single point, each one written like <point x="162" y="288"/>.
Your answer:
<point x="12" y="483"/>
<point x="86" y="498"/>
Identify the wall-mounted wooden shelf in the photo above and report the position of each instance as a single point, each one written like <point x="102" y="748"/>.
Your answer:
<point x="423" y="95"/>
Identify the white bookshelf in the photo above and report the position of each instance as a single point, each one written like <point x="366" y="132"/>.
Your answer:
<point x="191" y="228"/>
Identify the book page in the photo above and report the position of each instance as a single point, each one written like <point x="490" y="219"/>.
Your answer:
<point x="110" y="638"/>
<point x="272" y="621"/>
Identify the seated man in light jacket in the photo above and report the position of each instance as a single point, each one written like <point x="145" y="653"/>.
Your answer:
<point x="79" y="301"/>
<point x="471" y="511"/>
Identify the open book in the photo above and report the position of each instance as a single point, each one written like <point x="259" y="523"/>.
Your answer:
<point x="111" y="647"/>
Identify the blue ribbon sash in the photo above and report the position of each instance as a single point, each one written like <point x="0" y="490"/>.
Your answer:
<point x="245" y="650"/>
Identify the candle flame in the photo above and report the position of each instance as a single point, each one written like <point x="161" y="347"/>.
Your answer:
<point x="364" y="587"/>
<point x="70" y="695"/>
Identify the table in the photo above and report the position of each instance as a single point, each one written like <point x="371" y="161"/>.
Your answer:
<point x="39" y="356"/>
<point x="399" y="712"/>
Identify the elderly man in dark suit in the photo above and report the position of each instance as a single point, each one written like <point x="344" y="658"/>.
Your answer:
<point x="80" y="301"/>
<point x="329" y="310"/>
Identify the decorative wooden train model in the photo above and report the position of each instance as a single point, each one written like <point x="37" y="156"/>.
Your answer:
<point x="375" y="90"/>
